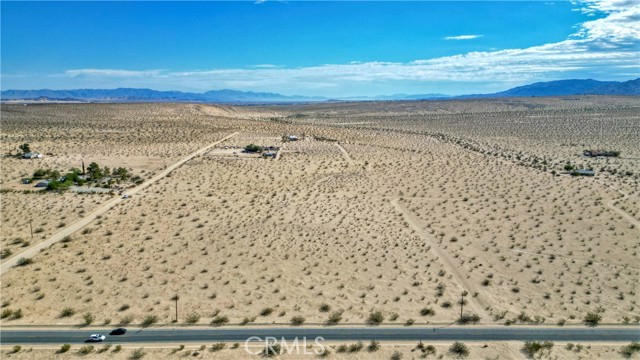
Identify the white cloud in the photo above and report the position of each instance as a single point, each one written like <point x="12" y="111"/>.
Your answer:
<point x="462" y="37"/>
<point x="607" y="45"/>
<point x="111" y="73"/>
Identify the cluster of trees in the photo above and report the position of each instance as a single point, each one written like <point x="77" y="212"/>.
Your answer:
<point x="253" y="148"/>
<point x="95" y="172"/>
<point x="75" y="177"/>
<point x="25" y="148"/>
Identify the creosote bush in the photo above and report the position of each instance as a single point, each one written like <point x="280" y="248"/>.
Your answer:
<point x="373" y="346"/>
<point x="219" y="320"/>
<point x="592" y="319"/>
<point x="297" y="320"/>
<point x="533" y="348"/>
<point x="137" y="354"/>
<point x="64" y="348"/>
<point x="149" y="320"/>
<point x="459" y="350"/>
<point x="375" y="318"/>
<point x="334" y="318"/>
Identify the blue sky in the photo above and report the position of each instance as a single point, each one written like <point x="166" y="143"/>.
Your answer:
<point x="317" y="48"/>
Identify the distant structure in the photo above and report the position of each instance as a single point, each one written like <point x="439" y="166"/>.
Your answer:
<point x="42" y="184"/>
<point x="583" y="172"/>
<point x="596" y="153"/>
<point x="292" y="137"/>
<point x="32" y="155"/>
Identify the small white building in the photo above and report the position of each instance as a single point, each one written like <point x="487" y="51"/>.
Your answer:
<point x="292" y="137"/>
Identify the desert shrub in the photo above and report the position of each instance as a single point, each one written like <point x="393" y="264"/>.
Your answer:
<point x="105" y="348"/>
<point x="88" y="318"/>
<point x="66" y="312"/>
<point x="5" y="253"/>
<point x="137" y="354"/>
<point x="592" y="319"/>
<point x="192" y="318"/>
<point x="342" y="348"/>
<point x="409" y="322"/>
<point x="64" y="348"/>
<point x="356" y="347"/>
<point x="297" y="320"/>
<point x="24" y="261"/>
<point x="124" y="307"/>
<point x="87" y="349"/>
<point x="127" y="319"/>
<point x="219" y="320"/>
<point x="334" y="318"/>
<point x="428" y="350"/>
<point x="117" y="348"/>
<point x="247" y="320"/>
<point x="6" y="313"/>
<point x="459" y="350"/>
<point x="469" y="319"/>
<point x="266" y="311"/>
<point x="325" y="308"/>
<point x="629" y="350"/>
<point x="427" y="311"/>
<point x="16" y="349"/>
<point x="533" y="348"/>
<point x="271" y="350"/>
<point x="397" y="355"/>
<point x="375" y="318"/>
<point x="17" y="314"/>
<point x="149" y="320"/>
<point x="217" y="347"/>
<point x="373" y="346"/>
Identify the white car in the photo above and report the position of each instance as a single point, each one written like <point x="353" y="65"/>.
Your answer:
<point x="126" y="196"/>
<point x="96" y="338"/>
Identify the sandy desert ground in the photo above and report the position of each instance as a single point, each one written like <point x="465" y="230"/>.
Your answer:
<point x="383" y="207"/>
<point x="493" y="351"/>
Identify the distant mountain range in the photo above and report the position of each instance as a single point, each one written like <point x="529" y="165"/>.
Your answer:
<point x="551" y="88"/>
<point x="569" y="87"/>
<point x="142" y="95"/>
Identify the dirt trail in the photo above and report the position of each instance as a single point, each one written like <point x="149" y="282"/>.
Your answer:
<point x="611" y="204"/>
<point x="35" y="249"/>
<point x="478" y="304"/>
<point x="345" y="154"/>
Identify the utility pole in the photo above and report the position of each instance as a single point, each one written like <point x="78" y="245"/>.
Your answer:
<point x="175" y="298"/>
<point x="462" y="303"/>
<point x="31" y="227"/>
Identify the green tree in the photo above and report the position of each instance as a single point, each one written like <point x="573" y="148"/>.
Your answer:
<point x="253" y="148"/>
<point x="94" y="171"/>
<point x="25" y="148"/>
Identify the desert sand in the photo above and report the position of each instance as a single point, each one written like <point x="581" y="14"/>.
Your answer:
<point x="392" y="207"/>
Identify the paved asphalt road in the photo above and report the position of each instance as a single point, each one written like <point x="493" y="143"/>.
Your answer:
<point x="208" y="335"/>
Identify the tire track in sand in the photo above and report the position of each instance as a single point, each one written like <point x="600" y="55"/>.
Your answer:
<point x="477" y="303"/>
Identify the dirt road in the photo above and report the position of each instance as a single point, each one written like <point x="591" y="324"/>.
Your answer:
<point x="447" y="260"/>
<point x="35" y="249"/>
